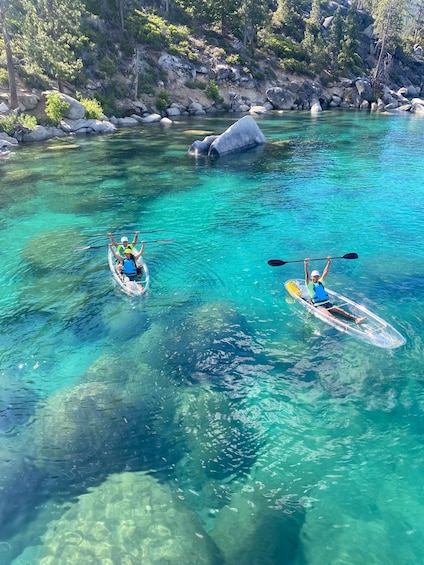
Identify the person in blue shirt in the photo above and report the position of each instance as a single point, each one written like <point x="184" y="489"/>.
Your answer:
<point x="319" y="296"/>
<point x="127" y="265"/>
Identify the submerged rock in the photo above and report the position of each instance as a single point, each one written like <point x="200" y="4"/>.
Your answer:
<point x="17" y="403"/>
<point x="131" y="519"/>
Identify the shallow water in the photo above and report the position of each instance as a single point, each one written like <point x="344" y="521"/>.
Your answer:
<point x="286" y="441"/>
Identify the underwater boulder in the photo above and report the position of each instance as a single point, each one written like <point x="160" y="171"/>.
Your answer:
<point x="219" y="444"/>
<point x="17" y="403"/>
<point x="206" y="345"/>
<point x="76" y="423"/>
<point x="22" y="488"/>
<point x="47" y="252"/>
<point x="130" y="518"/>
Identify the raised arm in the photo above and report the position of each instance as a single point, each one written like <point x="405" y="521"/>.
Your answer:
<point x="306" y="264"/>
<point x="134" y="241"/>
<point x="113" y="240"/>
<point x="326" y="269"/>
<point x="114" y="253"/>
<point x="140" y="253"/>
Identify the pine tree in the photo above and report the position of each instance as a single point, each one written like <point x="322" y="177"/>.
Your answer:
<point x="348" y="58"/>
<point x="389" y="17"/>
<point x="5" y="7"/>
<point x="253" y="15"/>
<point x="50" y="36"/>
<point x="335" y="38"/>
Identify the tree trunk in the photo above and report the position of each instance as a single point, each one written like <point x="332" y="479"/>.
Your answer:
<point x="120" y="5"/>
<point x="380" y="57"/>
<point x="13" y="93"/>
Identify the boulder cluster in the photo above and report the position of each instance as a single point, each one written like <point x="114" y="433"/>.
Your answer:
<point x="237" y="92"/>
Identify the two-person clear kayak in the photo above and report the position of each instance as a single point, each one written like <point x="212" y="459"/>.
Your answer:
<point x="136" y="287"/>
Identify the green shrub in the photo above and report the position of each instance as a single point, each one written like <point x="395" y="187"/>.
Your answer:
<point x="8" y="124"/>
<point x="296" y="67"/>
<point x="55" y="108"/>
<point x="4" y="78"/>
<point x="107" y="67"/>
<point x="163" y="100"/>
<point x="233" y="59"/>
<point x="107" y="102"/>
<point x="182" y="49"/>
<point x="93" y="109"/>
<point x="27" y="121"/>
<point x="212" y="91"/>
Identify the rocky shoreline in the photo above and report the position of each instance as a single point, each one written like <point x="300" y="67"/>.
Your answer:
<point x="287" y="95"/>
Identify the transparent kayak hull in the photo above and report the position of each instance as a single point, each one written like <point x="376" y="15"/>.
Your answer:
<point x="374" y="330"/>
<point x="132" y="288"/>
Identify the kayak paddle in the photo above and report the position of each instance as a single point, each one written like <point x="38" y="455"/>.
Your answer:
<point x="280" y="263"/>
<point x="119" y="233"/>
<point x="85" y="247"/>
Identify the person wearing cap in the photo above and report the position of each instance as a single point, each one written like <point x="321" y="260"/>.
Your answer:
<point x="319" y="296"/>
<point x="120" y="247"/>
<point x="127" y="265"/>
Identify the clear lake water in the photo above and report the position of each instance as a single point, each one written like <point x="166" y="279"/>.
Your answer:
<point x="212" y="420"/>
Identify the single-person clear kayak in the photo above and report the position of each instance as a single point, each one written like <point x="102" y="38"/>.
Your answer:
<point x="132" y="288"/>
<point x="373" y="330"/>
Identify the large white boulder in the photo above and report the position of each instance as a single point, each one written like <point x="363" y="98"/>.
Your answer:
<point x="242" y="135"/>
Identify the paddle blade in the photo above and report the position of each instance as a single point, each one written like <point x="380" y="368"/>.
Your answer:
<point x="276" y="262"/>
<point x="350" y="256"/>
<point x="84" y="248"/>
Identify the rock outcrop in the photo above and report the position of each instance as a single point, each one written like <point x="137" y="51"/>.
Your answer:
<point x="242" y="135"/>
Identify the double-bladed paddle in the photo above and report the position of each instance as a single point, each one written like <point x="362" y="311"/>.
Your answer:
<point x="120" y="233"/>
<point x="280" y="263"/>
<point x="85" y="247"/>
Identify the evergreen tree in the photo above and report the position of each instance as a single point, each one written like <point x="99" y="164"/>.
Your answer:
<point x="348" y="58"/>
<point x="335" y="38"/>
<point x="414" y="23"/>
<point x="221" y="13"/>
<point x="288" y="20"/>
<point x="50" y="36"/>
<point x="313" y="40"/>
<point x="253" y="16"/>
<point x="389" y="17"/>
<point x="6" y="9"/>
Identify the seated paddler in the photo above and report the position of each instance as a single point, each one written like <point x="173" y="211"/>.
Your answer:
<point x="127" y="265"/>
<point x="319" y="296"/>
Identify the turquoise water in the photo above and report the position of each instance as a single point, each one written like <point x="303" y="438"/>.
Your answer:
<point x="212" y="421"/>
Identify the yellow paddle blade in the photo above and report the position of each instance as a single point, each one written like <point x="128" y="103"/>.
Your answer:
<point x="291" y="287"/>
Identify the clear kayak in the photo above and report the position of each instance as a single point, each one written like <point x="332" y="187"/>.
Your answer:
<point x="373" y="330"/>
<point x="132" y="288"/>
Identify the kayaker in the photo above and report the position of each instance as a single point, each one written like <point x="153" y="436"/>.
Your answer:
<point x="120" y="247"/>
<point x="319" y="296"/>
<point x="127" y="266"/>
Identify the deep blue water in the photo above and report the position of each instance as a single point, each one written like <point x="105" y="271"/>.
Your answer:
<point x="212" y="421"/>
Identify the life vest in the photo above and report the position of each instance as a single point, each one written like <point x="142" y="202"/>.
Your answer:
<point x="129" y="267"/>
<point x="320" y="294"/>
<point x="121" y="248"/>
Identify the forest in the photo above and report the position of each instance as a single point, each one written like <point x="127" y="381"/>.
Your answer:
<point x="53" y="43"/>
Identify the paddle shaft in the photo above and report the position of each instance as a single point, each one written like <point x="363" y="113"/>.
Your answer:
<point x="85" y="247"/>
<point x="279" y="262"/>
<point x="319" y="259"/>
<point x="119" y="233"/>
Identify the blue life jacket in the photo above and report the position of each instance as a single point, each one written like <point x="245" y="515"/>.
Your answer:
<point x="129" y="267"/>
<point x="320" y="294"/>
